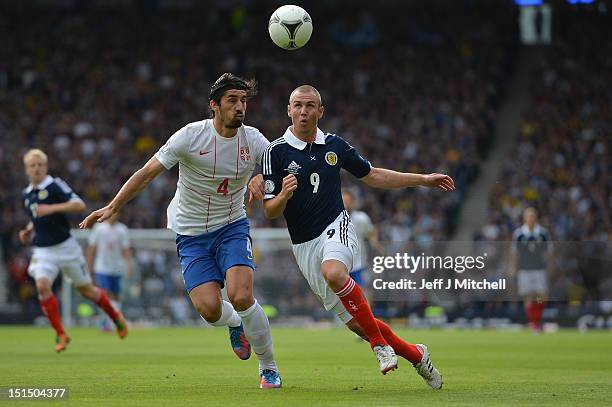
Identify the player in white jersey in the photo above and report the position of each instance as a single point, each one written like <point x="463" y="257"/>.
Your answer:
<point x="365" y="231"/>
<point x="216" y="158"/>
<point x="109" y="257"/>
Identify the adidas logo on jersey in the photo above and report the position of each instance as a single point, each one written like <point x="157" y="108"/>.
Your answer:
<point x="293" y="168"/>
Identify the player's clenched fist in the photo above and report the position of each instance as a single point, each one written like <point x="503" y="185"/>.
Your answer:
<point x="289" y="185"/>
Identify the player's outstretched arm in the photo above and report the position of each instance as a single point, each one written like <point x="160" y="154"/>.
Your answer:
<point x="389" y="179"/>
<point x="274" y="207"/>
<point x="137" y="182"/>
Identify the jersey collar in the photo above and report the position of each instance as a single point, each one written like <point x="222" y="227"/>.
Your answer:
<point x="295" y="142"/>
<point x="526" y="231"/>
<point x="44" y="184"/>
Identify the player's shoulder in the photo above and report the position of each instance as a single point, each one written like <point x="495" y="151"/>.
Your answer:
<point x="195" y="128"/>
<point x="518" y="232"/>
<point x="252" y="132"/>
<point x="360" y="216"/>
<point x="280" y="144"/>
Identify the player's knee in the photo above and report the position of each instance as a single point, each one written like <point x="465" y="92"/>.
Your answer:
<point x="209" y="310"/>
<point x="43" y="287"/>
<point x="241" y="299"/>
<point x="335" y="276"/>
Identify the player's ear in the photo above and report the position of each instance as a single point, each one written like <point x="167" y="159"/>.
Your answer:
<point x="288" y="110"/>
<point x="321" y="110"/>
<point x="212" y="104"/>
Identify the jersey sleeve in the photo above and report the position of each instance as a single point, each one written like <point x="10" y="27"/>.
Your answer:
<point x="260" y="144"/>
<point x="272" y="172"/>
<point x="62" y="192"/>
<point x="175" y="148"/>
<point x="353" y="162"/>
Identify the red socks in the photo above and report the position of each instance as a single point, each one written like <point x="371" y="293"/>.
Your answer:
<point x="534" y="310"/>
<point x="105" y="304"/>
<point x="406" y="350"/>
<point x="356" y="304"/>
<point x="51" y="310"/>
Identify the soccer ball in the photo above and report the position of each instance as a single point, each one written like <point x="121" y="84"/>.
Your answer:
<point x="290" y="27"/>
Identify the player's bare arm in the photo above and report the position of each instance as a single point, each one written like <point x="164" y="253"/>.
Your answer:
<point x="389" y="179"/>
<point x="273" y="208"/>
<point x="137" y="182"/>
<point x="66" y="207"/>
<point x="129" y="260"/>
<point x="90" y="255"/>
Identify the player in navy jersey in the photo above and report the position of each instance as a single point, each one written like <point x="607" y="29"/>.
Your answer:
<point x="531" y="263"/>
<point x="47" y="201"/>
<point x="302" y="182"/>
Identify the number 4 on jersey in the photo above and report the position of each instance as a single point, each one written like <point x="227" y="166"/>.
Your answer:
<point x="223" y="187"/>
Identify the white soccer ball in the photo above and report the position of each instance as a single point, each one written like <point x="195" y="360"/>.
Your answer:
<point x="290" y="27"/>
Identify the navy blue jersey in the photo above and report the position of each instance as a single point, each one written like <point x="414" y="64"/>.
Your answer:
<point x="317" y="201"/>
<point x="51" y="229"/>
<point x="531" y="247"/>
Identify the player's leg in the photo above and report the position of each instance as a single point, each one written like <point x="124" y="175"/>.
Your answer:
<point x="109" y="284"/>
<point x="235" y="255"/>
<point x="203" y="281"/>
<point x="76" y="270"/>
<point x="44" y="272"/>
<point x="417" y="354"/>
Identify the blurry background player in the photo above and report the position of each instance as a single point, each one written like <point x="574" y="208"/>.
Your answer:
<point x="109" y="257"/>
<point x="302" y="182"/>
<point x="365" y="232"/>
<point x="47" y="200"/>
<point x="532" y="263"/>
<point x="216" y="159"/>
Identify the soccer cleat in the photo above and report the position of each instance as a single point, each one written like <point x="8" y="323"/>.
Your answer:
<point x="121" y="325"/>
<point x="270" y="379"/>
<point x="240" y="344"/>
<point x="426" y="369"/>
<point x="386" y="357"/>
<point x="61" y="342"/>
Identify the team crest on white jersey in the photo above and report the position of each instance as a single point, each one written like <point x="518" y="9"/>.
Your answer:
<point x="245" y="154"/>
<point x="293" y="168"/>
<point x="331" y="158"/>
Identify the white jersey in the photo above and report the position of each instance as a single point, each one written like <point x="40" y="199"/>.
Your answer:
<point x="363" y="227"/>
<point x="109" y="241"/>
<point x="213" y="175"/>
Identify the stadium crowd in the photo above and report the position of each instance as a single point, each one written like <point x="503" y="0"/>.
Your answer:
<point x="101" y="90"/>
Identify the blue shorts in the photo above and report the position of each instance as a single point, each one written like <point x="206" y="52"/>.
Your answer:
<point x="208" y="256"/>
<point x="109" y="283"/>
<point x="357" y="276"/>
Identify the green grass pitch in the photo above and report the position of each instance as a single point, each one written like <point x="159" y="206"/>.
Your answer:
<point x="191" y="366"/>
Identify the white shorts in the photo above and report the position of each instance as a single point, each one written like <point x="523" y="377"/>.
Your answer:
<point x="67" y="256"/>
<point x="531" y="282"/>
<point x="337" y="242"/>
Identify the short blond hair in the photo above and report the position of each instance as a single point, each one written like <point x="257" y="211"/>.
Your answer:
<point x="306" y="89"/>
<point x="35" y="152"/>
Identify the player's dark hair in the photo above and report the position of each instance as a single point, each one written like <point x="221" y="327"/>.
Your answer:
<point x="229" y="81"/>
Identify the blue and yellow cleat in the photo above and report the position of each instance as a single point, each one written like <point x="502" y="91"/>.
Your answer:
<point x="270" y="379"/>
<point x="240" y="344"/>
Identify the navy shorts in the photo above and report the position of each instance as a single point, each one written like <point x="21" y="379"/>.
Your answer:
<point x="109" y="283"/>
<point x="208" y="256"/>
